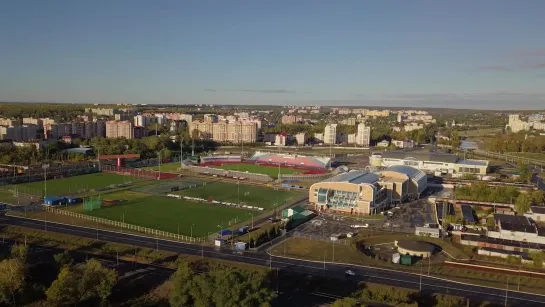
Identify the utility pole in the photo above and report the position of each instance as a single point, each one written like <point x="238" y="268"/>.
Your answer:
<point x="420" y="275"/>
<point x="181" y="151"/>
<point x="506" y="290"/>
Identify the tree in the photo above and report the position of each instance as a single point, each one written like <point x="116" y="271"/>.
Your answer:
<point x="63" y="259"/>
<point x="89" y="281"/>
<point x="19" y="252"/>
<point x="523" y="203"/>
<point x="455" y="140"/>
<point x="538" y="197"/>
<point x="220" y="286"/>
<point x="346" y="302"/>
<point x="12" y="280"/>
<point x="525" y="172"/>
<point x="181" y="285"/>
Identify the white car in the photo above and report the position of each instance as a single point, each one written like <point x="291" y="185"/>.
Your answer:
<point x="350" y="273"/>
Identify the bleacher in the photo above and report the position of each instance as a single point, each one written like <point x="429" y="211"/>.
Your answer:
<point x="292" y="160"/>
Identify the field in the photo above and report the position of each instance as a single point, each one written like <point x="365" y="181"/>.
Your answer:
<point x="164" y="213"/>
<point x="271" y="171"/>
<point x="529" y="155"/>
<point x="251" y="195"/>
<point x="480" y="132"/>
<point x="68" y="185"/>
<point x="171" y="167"/>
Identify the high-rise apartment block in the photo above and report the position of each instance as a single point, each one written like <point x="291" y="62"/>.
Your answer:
<point x="226" y="132"/>
<point x="330" y="134"/>
<point x="119" y="129"/>
<point x="33" y="121"/>
<point x="18" y="132"/>
<point x="291" y="119"/>
<point x="210" y="118"/>
<point x="301" y="138"/>
<point x="9" y="122"/>
<point x="363" y="135"/>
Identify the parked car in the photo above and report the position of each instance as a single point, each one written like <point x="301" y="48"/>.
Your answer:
<point x="350" y="273"/>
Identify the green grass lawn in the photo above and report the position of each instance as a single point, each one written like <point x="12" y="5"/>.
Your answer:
<point x="271" y="171"/>
<point x="69" y="185"/>
<point x="164" y="213"/>
<point x="529" y="155"/>
<point x="251" y="195"/>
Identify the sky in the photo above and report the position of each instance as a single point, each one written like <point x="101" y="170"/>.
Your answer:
<point x="485" y="54"/>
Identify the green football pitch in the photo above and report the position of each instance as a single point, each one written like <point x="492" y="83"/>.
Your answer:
<point x="164" y="213"/>
<point x="251" y="195"/>
<point x="271" y="171"/>
<point x="68" y="185"/>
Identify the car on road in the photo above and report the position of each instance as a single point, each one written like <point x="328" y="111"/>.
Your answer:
<point x="350" y="273"/>
<point x="360" y="226"/>
<point x="386" y="224"/>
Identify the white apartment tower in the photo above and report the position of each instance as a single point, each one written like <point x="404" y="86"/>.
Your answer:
<point x="330" y="134"/>
<point x="363" y="135"/>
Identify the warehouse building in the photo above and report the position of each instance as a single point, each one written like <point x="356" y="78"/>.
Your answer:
<point x="431" y="162"/>
<point x="365" y="192"/>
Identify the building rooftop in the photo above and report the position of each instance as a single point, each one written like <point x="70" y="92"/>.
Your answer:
<point x="473" y="162"/>
<point x="355" y="177"/>
<point x="412" y="172"/>
<point x="416" y="246"/>
<point x="515" y="223"/>
<point x="537" y="210"/>
<point x="420" y="156"/>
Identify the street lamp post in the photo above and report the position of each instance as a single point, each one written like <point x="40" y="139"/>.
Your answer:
<point x="219" y="233"/>
<point x="252" y="219"/>
<point x="45" y="167"/>
<point x="191" y="232"/>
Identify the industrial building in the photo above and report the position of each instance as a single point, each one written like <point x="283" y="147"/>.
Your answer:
<point x="364" y="192"/>
<point x="414" y="248"/>
<point x="431" y="162"/>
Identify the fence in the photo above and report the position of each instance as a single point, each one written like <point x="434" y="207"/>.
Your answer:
<point x="156" y="232"/>
<point x="137" y="172"/>
<point x="226" y="173"/>
<point x="53" y="172"/>
<point x="510" y="158"/>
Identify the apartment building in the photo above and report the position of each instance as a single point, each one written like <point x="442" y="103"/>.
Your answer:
<point x="280" y="140"/>
<point x="226" y="132"/>
<point x="119" y="129"/>
<point x="9" y="122"/>
<point x="330" y="134"/>
<point x="18" y="132"/>
<point x="516" y="124"/>
<point x="363" y="135"/>
<point x="242" y="114"/>
<point x="103" y="111"/>
<point x="349" y="121"/>
<point x="211" y="118"/>
<point x="301" y="138"/>
<point x="33" y="121"/>
<point x="47" y="121"/>
<point x="291" y="119"/>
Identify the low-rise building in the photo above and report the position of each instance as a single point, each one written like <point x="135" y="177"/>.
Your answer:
<point x="301" y="138"/>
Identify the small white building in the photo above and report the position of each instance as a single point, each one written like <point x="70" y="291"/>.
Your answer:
<point x="427" y="232"/>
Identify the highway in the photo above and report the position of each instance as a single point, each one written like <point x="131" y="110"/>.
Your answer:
<point x="365" y="274"/>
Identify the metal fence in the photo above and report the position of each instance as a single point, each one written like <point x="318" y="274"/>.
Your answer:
<point x="227" y="173"/>
<point x="156" y="232"/>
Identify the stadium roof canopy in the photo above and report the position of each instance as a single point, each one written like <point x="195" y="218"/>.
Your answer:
<point x="420" y="156"/>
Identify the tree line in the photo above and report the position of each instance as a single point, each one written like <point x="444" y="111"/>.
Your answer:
<point x="515" y="142"/>
<point x="480" y="191"/>
<point x="88" y="282"/>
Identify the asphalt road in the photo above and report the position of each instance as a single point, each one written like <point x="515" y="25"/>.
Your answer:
<point x="368" y="274"/>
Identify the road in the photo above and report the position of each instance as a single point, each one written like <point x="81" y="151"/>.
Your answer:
<point x="365" y="274"/>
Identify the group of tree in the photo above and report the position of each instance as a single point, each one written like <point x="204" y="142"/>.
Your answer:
<point x="266" y="236"/>
<point x="480" y="191"/>
<point x="219" y="286"/>
<point x="515" y="142"/>
<point x="59" y="112"/>
<point x="397" y="296"/>
<point x="88" y="282"/>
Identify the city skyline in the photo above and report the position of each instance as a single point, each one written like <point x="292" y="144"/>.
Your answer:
<point x="484" y="55"/>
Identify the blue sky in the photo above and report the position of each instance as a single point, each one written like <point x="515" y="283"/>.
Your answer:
<point x="480" y="54"/>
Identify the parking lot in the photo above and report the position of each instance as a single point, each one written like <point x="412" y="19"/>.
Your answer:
<point x="401" y="219"/>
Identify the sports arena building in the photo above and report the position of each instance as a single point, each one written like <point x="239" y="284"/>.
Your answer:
<point x="297" y="161"/>
<point x="365" y="192"/>
<point x="429" y="162"/>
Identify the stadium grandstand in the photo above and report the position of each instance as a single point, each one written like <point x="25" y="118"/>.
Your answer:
<point x="294" y="161"/>
<point x="211" y="160"/>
